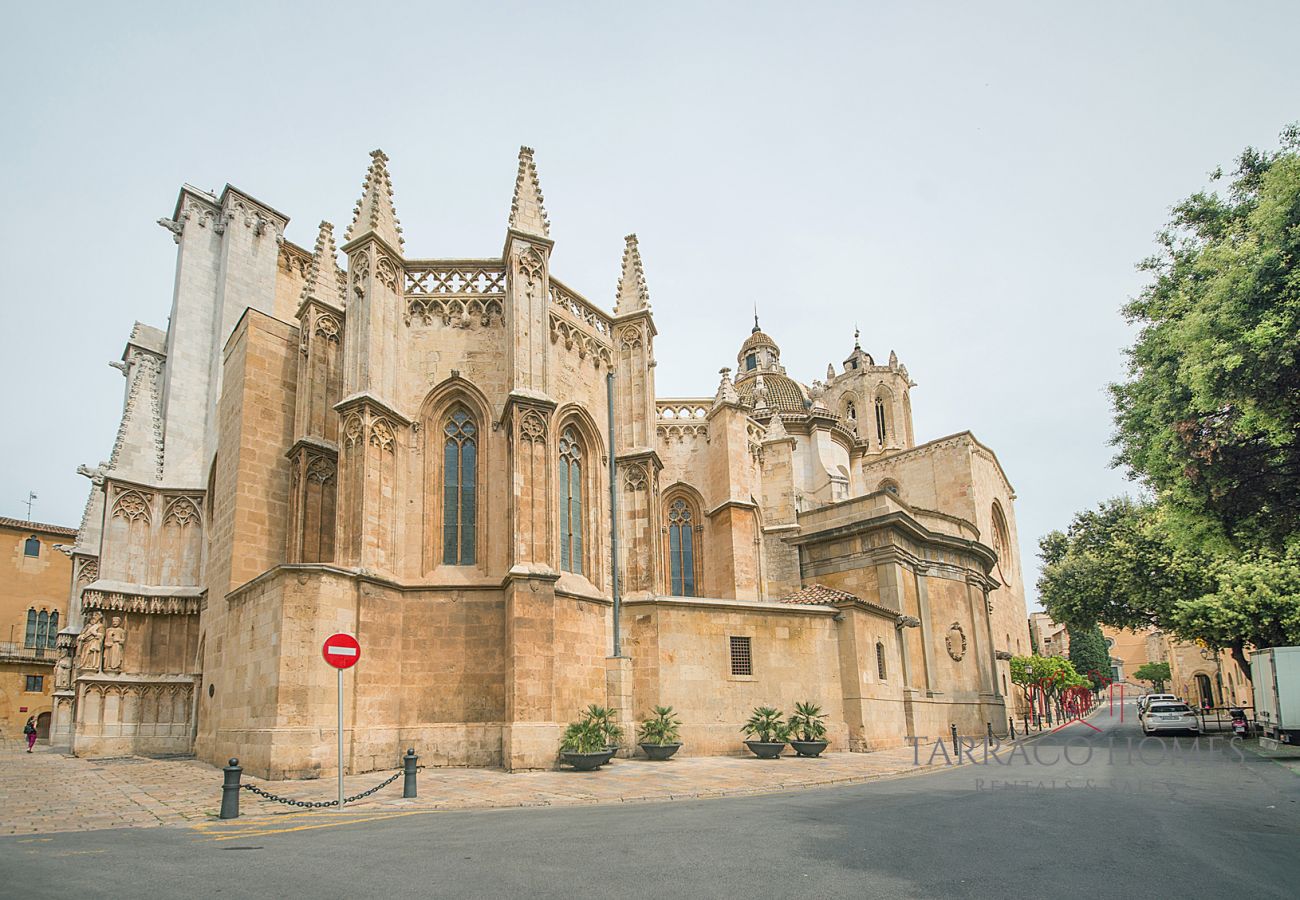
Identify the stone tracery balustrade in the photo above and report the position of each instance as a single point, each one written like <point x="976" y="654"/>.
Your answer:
<point x="463" y="293"/>
<point x="580" y="309"/>
<point x="678" y="409"/>
<point x="455" y="277"/>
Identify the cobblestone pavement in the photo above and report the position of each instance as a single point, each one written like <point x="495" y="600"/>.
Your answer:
<point x="50" y="791"/>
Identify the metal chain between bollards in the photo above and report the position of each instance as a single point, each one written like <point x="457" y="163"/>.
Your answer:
<point x="231" y="788"/>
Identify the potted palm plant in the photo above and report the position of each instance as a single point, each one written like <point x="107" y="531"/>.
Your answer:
<point x="768" y="732"/>
<point x="583" y="745"/>
<point x="807" y="730"/>
<point x="603" y="716"/>
<point x="658" y="734"/>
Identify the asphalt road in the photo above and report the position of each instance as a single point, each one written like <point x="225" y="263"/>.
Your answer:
<point x="1073" y="814"/>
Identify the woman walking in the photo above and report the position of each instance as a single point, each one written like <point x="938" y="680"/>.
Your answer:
<point x="30" y="730"/>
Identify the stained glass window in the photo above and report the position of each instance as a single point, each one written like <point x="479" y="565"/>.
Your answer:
<point x="681" y="549"/>
<point x="570" y="502"/>
<point x="459" y="485"/>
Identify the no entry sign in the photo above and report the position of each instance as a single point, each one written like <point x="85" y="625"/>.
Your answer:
<point x="342" y="651"/>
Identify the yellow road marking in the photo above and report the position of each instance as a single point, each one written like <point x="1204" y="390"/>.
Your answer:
<point x="255" y="831"/>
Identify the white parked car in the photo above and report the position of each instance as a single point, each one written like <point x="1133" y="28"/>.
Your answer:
<point x="1165" y="716"/>
<point x="1147" y="699"/>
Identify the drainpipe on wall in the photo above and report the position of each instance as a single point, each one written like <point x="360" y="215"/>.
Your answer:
<point x="613" y="514"/>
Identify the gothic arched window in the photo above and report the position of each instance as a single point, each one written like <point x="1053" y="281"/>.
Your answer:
<point x="570" y="502"/>
<point x="30" y="640"/>
<point x="459" y="487"/>
<point x="880" y="420"/>
<point x="681" y="548"/>
<point x="51" y="636"/>
<point x="851" y="411"/>
<point x="880" y="660"/>
<point x="42" y="630"/>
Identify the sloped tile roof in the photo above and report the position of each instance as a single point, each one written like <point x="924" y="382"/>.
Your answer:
<point x="819" y="595"/>
<point x="36" y="527"/>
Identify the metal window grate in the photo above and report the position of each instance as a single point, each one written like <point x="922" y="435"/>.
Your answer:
<point x="880" y="660"/>
<point x="742" y="660"/>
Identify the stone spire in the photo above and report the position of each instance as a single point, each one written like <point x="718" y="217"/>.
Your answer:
<point x="726" y="390"/>
<point x="527" y="214"/>
<point x="374" y="212"/>
<point x="325" y="280"/>
<point x="632" y="292"/>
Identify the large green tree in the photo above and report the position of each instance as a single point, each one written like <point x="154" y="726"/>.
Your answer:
<point x="1089" y="654"/>
<point x="1155" y="672"/>
<point x="1209" y="415"/>
<point x="1121" y="564"/>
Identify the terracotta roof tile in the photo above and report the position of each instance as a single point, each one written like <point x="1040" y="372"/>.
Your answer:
<point x="35" y="527"/>
<point x="819" y="595"/>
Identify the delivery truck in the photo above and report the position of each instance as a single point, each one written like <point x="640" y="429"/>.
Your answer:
<point x="1275" y="674"/>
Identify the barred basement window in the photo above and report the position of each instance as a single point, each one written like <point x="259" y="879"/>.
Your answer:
<point x="880" y="660"/>
<point x="742" y="661"/>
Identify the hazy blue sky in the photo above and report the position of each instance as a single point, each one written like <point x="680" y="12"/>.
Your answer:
<point x="971" y="184"/>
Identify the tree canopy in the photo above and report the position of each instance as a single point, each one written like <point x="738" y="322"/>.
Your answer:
<point x="1209" y="416"/>
<point x="1208" y="420"/>
<point x="1155" y="672"/>
<point x="1089" y="654"/>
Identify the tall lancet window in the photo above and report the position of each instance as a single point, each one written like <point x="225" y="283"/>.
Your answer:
<point x="681" y="549"/>
<point x="570" y="502"/>
<point x="880" y="420"/>
<point x="459" y="486"/>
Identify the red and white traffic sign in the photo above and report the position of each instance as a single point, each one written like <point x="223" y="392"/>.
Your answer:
<point x="342" y="651"/>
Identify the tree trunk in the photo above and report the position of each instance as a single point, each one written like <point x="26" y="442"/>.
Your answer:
<point x="1239" y="654"/>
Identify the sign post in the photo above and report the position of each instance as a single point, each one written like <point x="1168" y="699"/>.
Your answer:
<point x="342" y="651"/>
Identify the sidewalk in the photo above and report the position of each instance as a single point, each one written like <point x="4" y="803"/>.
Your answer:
<point x="49" y="791"/>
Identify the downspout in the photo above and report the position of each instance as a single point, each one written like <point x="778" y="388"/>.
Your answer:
<point x="613" y="515"/>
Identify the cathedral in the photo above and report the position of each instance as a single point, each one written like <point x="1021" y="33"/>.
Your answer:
<point x="464" y="463"/>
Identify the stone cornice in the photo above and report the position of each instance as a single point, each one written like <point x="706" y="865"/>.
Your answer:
<point x="322" y="304"/>
<point x="516" y="235"/>
<point x="726" y="504"/>
<point x="642" y="455"/>
<point x="758" y="606"/>
<point x="361" y="240"/>
<point x="320" y="445"/>
<point x="367" y="398"/>
<point x="903" y="522"/>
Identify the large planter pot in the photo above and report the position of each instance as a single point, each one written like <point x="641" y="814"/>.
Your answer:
<point x="766" y="749"/>
<point x="809" y="748"/>
<point x="586" y="762"/>
<point x="660" y="751"/>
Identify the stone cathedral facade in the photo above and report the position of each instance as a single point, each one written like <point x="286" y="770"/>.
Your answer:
<point x="419" y="452"/>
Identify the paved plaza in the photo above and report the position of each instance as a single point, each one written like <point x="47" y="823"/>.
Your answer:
<point x="49" y="791"/>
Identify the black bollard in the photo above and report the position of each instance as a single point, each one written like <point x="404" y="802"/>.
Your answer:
<point x="1011" y="726"/>
<point x="989" y="730"/>
<point x="230" y="791"/>
<point x="408" y="767"/>
<point x="956" y="746"/>
<point x="1026" y="723"/>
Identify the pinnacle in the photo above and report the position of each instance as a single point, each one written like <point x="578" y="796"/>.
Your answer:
<point x="374" y="212"/>
<point x="527" y="214"/>
<point x="324" y="278"/>
<point x="633" y="295"/>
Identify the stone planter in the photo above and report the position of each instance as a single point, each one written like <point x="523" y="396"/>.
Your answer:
<point x="809" y="748"/>
<point x="766" y="749"/>
<point x="586" y="762"/>
<point x="660" y="751"/>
